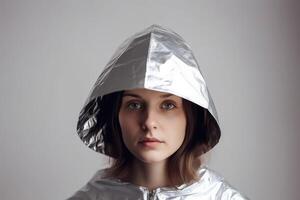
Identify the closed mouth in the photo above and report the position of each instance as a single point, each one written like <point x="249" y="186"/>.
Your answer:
<point x="150" y="140"/>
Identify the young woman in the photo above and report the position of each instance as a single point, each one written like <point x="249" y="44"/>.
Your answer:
<point x="151" y="112"/>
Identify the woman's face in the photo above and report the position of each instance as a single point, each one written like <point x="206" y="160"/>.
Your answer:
<point x="152" y="123"/>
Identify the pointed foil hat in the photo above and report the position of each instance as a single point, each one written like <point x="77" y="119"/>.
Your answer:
<point x="157" y="59"/>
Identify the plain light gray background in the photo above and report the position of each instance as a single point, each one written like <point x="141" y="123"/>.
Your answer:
<point x="51" y="53"/>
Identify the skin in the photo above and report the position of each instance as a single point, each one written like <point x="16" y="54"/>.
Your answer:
<point x="151" y="114"/>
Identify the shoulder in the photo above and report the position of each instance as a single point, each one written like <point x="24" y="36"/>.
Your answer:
<point x="100" y="187"/>
<point x="91" y="189"/>
<point x="213" y="183"/>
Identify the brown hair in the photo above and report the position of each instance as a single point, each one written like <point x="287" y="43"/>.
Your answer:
<point x="183" y="164"/>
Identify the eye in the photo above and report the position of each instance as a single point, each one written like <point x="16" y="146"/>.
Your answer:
<point x="134" y="106"/>
<point x="168" y="106"/>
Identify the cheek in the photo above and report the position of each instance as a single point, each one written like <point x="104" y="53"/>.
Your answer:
<point x="128" y="125"/>
<point x="174" y="128"/>
<point x="179" y="126"/>
<point x="177" y="121"/>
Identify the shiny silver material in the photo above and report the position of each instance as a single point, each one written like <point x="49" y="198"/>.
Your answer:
<point x="156" y="59"/>
<point x="209" y="187"/>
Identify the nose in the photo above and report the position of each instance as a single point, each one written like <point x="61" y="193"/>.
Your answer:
<point x="150" y="120"/>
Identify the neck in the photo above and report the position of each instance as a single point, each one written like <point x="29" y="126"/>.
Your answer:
<point x="150" y="175"/>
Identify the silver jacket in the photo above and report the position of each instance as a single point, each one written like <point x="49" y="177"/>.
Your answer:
<point x="210" y="186"/>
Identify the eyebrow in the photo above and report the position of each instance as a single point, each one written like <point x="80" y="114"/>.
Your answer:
<point x="137" y="96"/>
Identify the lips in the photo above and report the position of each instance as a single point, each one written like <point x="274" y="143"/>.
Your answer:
<point x="150" y="140"/>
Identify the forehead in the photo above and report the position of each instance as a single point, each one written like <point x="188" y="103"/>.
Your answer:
<point x="146" y="93"/>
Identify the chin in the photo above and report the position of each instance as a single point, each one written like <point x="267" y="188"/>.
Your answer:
<point x="150" y="159"/>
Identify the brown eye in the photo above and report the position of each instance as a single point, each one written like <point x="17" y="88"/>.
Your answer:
<point x="168" y="106"/>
